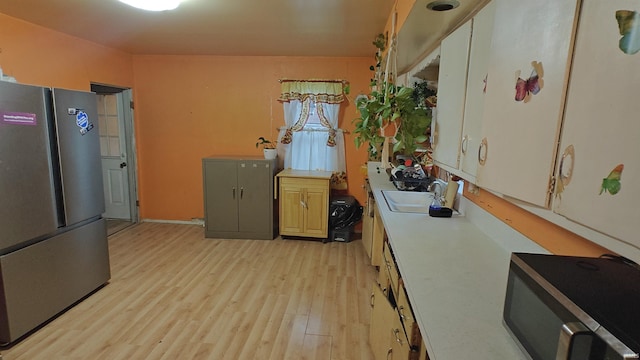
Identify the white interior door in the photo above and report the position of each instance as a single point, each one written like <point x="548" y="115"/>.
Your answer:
<point x="114" y="156"/>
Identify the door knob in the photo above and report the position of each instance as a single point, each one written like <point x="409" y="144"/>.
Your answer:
<point x="123" y="165"/>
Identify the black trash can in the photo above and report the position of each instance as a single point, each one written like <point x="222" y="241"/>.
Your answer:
<point x="344" y="213"/>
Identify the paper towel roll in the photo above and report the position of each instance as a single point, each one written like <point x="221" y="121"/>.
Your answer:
<point x="450" y="194"/>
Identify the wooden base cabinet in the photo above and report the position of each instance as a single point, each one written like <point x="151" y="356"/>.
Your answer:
<point x="393" y="331"/>
<point x="387" y="331"/>
<point x="304" y="203"/>
<point x="238" y="198"/>
<point x="367" y="221"/>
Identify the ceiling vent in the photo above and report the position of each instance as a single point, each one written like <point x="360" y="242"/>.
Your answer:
<point x="443" y="5"/>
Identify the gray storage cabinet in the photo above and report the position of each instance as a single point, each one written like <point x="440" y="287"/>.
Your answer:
<point x="238" y="197"/>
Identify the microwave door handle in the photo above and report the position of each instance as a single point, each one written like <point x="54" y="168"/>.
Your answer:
<point x="567" y="335"/>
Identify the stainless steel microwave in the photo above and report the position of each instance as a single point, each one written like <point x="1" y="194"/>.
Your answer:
<point x="573" y="308"/>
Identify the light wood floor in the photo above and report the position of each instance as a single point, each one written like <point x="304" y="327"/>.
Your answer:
<point x="115" y="225"/>
<point x="176" y="295"/>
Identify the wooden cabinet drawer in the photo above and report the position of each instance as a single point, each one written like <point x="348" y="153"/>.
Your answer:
<point x="303" y="182"/>
<point x="400" y="347"/>
<point x="389" y="264"/>
<point x="383" y="281"/>
<point x="404" y="310"/>
<point x="405" y="314"/>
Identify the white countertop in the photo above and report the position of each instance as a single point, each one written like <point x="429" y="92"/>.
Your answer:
<point x="455" y="276"/>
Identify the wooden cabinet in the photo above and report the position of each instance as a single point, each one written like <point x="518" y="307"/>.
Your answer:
<point x="238" y="197"/>
<point x="600" y="129"/>
<point x="393" y="331"/>
<point x="530" y="49"/>
<point x="377" y="239"/>
<point x="382" y="315"/>
<point x="474" y="98"/>
<point x="386" y="333"/>
<point x="389" y="266"/>
<point x="304" y="203"/>
<point x="452" y="80"/>
<point x="367" y="221"/>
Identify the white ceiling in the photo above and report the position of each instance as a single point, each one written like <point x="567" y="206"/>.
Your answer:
<point x="217" y="27"/>
<point x="246" y="27"/>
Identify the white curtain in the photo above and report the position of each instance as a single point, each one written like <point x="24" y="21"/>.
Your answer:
<point x="311" y="139"/>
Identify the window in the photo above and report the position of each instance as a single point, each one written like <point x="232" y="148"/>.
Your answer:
<point x="311" y="139"/>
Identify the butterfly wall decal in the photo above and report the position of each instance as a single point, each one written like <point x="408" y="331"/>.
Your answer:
<point x="629" y="25"/>
<point x="530" y="86"/>
<point x="612" y="183"/>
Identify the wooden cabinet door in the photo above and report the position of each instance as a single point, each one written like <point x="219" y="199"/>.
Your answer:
<point x="601" y="128"/>
<point x="254" y="195"/>
<point x="221" y="194"/>
<point x="474" y="98"/>
<point x="400" y="348"/>
<point x="316" y="211"/>
<point x="291" y="210"/>
<point x="382" y="316"/>
<point x="367" y="226"/>
<point x="521" y="133"/>
<point x="377" y="239"/>
<point x="452" y="80"/>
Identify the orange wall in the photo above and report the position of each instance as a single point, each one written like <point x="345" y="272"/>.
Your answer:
<point x="38" y="56"/>
<point x="190" y="107"/>
<point x="187" y="107"/>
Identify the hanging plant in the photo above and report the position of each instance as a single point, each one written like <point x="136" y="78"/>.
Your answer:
<point x="390" y="107"/>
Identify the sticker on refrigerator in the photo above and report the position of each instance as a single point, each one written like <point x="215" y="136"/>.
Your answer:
<point x="82" y="120"/>
<point x="18" y="118"/>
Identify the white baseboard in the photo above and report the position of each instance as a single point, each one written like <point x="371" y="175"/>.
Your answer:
<point x="194" y="221"/>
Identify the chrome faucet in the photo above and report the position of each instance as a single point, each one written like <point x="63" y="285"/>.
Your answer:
<point x="438" y="197"/>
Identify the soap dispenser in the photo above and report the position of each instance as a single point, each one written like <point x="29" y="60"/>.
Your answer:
<point x="437" y="208"/>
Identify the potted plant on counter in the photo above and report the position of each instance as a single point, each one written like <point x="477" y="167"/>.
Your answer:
<point x="268" y="148"/>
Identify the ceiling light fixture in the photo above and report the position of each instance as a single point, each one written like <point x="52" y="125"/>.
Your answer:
<point x="443" y="5"/>
<point x="153" y="5"/>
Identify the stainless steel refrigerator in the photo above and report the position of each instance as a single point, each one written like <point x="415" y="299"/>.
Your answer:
<point x="53" y="240"/>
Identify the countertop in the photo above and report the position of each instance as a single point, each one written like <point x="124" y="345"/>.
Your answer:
<point x="455" y="276"/>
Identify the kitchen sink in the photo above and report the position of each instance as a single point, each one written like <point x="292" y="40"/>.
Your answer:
<point x="408" y="201"/>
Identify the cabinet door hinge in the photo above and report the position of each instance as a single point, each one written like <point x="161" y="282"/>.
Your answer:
<point x="138" y="203"/>
<point x="552" y="184"/>
<point x="131" y="105"/>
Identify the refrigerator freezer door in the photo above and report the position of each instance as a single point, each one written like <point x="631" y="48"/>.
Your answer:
<point x="27" y="195"/>
<point x="79" y="147"/>
<point x="39" y="281"/>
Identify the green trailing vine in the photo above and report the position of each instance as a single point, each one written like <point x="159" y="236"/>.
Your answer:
<point x="391" y="107"/>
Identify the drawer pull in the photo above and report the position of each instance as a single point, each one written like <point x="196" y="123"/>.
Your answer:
<point x="373" y="298"/>
<point x="401" y="311"/>
<point x="395" y="333"/>
<point x="389" y="353"/>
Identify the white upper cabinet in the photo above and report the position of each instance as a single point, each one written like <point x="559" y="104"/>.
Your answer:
<point x="528" y="71"/>
<point x="474" y="99"/>
<point x="600" y="169"/>
<point x="452" y="81"/>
